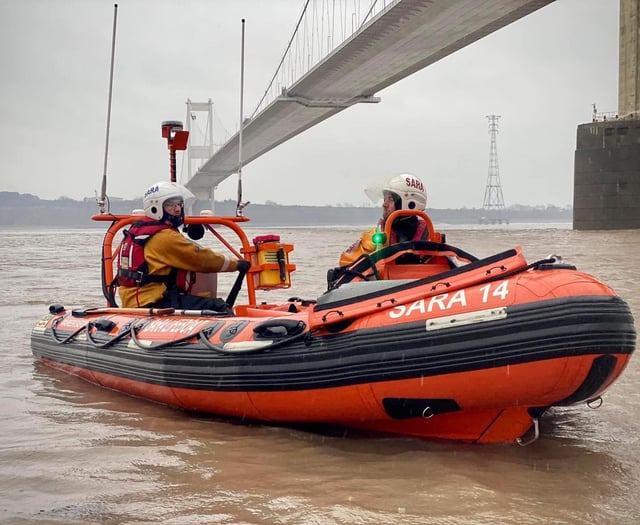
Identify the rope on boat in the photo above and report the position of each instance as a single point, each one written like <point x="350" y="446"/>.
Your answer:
<point x="174" y="342"/>
<point x="122" y="333"/>
<point x="132" y="328"/>
<point x="55" y="323"/>
<point x="203" y="335"/>
<point x="255" y="350"/>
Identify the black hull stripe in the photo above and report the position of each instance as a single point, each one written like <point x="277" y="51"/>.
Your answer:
<point x="532" y="332"/>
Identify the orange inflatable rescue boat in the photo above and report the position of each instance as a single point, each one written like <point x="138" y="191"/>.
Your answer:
<point x="417" y="339"/>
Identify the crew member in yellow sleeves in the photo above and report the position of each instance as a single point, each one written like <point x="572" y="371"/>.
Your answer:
<point x="157" y="264"/>
<point x="399" y="192"/>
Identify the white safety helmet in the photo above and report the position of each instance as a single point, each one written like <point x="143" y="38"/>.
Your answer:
<point x="155" y="196"/>
<point x="408" y="189"/>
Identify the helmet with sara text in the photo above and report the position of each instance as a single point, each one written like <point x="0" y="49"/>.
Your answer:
<point x="407" y="190"/>
<point x="156" y="195"/>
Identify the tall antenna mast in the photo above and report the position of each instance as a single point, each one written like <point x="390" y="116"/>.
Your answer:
<point x="493" y="201"/>
<point x="240" y="205"/>
<point x="103" y="192"/>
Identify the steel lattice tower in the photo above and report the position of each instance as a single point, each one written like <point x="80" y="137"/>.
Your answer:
<point x="493" y="200"/>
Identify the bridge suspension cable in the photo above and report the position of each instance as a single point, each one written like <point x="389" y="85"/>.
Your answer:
<point x="322" y="26"/>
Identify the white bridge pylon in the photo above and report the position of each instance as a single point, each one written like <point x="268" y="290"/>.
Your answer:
<point x="202" y="149"/>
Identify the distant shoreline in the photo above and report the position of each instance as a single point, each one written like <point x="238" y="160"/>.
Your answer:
<point x="24" y="210"/>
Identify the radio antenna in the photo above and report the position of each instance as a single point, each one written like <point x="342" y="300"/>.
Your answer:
<point x="240" y="205"/>
<point x="103" y="194"/>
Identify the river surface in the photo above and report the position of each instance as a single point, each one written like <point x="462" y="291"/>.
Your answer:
<point x="72" y="453"/>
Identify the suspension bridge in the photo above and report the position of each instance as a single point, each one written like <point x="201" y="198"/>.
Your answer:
<point x="340" y="56"/>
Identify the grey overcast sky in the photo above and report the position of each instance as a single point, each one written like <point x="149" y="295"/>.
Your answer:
<point x="541" y="74"/>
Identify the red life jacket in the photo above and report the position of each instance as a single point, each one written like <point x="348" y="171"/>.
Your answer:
<point x="133" y="270"/>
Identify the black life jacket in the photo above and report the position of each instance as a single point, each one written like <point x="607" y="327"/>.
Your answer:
<point x="133" y="270"/>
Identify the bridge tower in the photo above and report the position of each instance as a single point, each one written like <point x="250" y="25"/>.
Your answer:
<point x="200" y="144"/>
<point x="606" y="183"/>
<point x="493" y="205"/>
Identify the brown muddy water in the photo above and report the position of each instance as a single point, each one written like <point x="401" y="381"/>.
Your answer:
<point x="72" y="453"/>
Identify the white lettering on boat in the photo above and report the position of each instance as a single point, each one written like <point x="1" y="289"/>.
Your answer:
<point x="173" y="326"/>
<point x="446" y="301"/>
<point x="501" y="291"/>
<point x="418" y="305"/>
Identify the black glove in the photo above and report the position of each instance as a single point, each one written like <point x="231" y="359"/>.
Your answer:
<point x="243" y="266"/>
<point x="219" y="305"/>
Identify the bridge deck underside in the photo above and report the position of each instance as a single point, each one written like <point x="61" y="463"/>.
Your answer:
<point x="408" y="36"/>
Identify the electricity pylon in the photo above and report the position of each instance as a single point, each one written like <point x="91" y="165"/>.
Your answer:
<point x="493" y="205"/>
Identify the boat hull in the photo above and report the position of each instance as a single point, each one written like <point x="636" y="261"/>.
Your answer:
<point x="469" y="375"/>
<point x="439" y="407"/>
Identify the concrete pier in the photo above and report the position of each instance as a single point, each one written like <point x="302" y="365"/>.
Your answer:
<point x="606" y="192"/>
<point x="606" y="186"/>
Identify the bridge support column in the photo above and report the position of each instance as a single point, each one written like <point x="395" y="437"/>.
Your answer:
<point x="606" y="186"/>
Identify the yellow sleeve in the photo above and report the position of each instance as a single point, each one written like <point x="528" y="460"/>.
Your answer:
<point x="170" y="249"/>
<point x="363" y="245"/>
